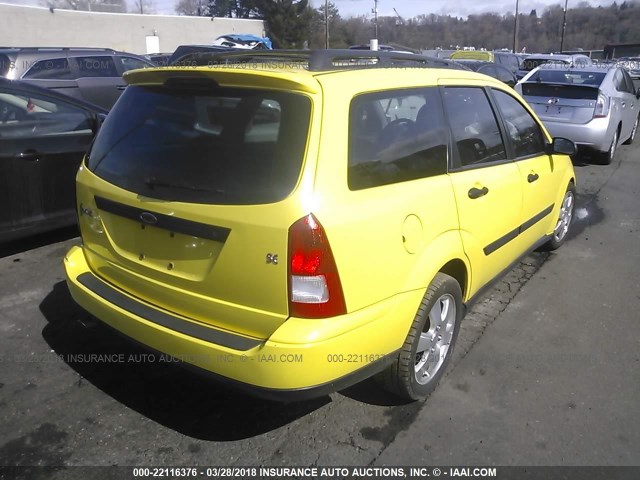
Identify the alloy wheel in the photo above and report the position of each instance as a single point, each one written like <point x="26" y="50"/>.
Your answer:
<point x="434" y="344"/>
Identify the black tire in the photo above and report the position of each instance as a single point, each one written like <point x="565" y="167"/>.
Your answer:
<point x="608" y="156"/>
<point x="410" y="376"/>
<point x="565" y="216"/>
<point x="630" y="140"/>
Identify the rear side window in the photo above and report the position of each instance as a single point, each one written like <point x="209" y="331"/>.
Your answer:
<point x="131" y="63"/>
<point x="52" y="69"/>
<point x="97" y="66"/>
<point x="229" y="147"/>
<point x="474" y="126"/>
<point x="396" y="137"/>
<point x="524" y="132"/>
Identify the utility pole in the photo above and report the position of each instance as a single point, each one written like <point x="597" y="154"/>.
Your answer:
<point x="564" y="25"/>
<point x="375" y="13"/>
<point x="326" y="23"/>
<point x="515" y="31"/>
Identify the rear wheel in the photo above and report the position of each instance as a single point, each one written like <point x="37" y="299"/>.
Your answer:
<point x="564" y="220"/>
<point x="609" y="154"/>
<point x="632" y="137"/>
<point x="429" y="345"/>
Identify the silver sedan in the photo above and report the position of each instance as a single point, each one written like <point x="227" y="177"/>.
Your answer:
<point x="595" y="106"/>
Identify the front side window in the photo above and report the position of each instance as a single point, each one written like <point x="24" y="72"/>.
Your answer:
<point x="51" y="69"/>
<point x="226" y="147"/>
<point x="396" y="137"/>
<point x="30" y="116"/>
<point x="524" y="132"/>
<point x="474" y="126"/>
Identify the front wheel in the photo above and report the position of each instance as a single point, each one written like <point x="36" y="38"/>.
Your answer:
<point x="563" y="224"/>
<point x="429" y="344"/>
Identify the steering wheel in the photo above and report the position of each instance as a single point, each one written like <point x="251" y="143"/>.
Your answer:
<point x="395" y="130"/>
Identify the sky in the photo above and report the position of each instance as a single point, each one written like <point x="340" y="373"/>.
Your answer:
<point x="405" y="8"/>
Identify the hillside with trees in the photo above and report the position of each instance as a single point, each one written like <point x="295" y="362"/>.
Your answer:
<point x="587" y="28"/>
<point x="294" y="24"/>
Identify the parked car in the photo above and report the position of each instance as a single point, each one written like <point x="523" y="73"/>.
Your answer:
<point x="533" y="61"/>
<point x="632" y="64"/>
<point x="177" y="58"/>
<point x="244" y="41"/>
<point x="293" y="231"/>
<point x="159" y="59"/>
<point x="90" y="74"/>
<point x="508" y="60"/>
<point x="384" y="48"/>
<point x="492" y="69"/>
<point x="43" y="137"/>
<point x="595" y="107"/>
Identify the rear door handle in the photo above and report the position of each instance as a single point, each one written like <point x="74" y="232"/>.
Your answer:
<point x="478" y="192"/>
<point x="29" y="155"/>
<point x="532" y="177"/>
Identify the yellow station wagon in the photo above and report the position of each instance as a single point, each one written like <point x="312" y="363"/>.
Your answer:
<point x="295" y="222"/>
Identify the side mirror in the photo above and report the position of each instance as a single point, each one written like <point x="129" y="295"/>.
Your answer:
<point x="562" y="146"/>
<point x="638" y="93"/>
<point x="96" y="122"/>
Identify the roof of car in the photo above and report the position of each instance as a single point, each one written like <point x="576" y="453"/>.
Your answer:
<point x="595" y="68"/>
<point x="302" y="71"/>
<point x="318" y="60"/>
<point x="36" y="90"/>
<point x="555" y="56"/>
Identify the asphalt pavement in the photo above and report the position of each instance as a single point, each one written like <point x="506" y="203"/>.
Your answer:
<point x="546" y="372"/>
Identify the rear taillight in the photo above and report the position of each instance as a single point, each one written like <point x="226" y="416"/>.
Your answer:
<point x="602" y="106"/>
<point x="315" y="290"/>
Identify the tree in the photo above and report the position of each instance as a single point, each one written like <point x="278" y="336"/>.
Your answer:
<point x="191" y="7"/>
<point x="336" y="35"/>
<point x="143" y="7"/>
<point x="288" y="21"/>
<point x="233" y="8"/>
<point x="113" y="6"/>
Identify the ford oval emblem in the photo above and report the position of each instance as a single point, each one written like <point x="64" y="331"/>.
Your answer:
<point x="148" y="218"/>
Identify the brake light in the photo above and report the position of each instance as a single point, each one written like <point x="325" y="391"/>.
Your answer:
<point x="315" y="290"/>
<point x="602" y="106"/>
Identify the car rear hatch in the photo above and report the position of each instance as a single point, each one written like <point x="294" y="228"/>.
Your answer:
<point x="561" y="102"/>
<point x="187" y="197"/>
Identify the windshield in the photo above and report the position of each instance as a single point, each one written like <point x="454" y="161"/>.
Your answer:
<point x="233" y="146"/>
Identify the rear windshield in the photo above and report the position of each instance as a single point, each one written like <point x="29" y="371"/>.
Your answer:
<point x="571" y="77"/>
<point x="231" y="147"/>
<point x="559" y="91"/>
<point x="529" y="64"/>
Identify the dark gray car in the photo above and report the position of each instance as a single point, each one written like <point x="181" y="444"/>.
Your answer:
<point x="43" y="137"/>
<point x="90" y="74"/>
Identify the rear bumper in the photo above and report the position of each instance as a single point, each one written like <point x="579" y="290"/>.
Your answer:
<point x="288" y="365"/>
<point x="596" y="134"/>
